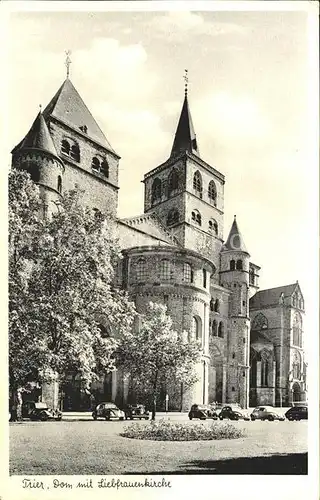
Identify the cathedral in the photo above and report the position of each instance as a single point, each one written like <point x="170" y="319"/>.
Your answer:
<point x="175" y="253"/>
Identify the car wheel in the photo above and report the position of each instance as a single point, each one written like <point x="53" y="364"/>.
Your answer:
<point x="59" y="418"/>
<point x="235" y="417"/>
<point x="220" y="417"/>
<point x="190" y="418"/>
<point x="94" y="417"/>
<point x="121" y="418"/>
<point x="146" y="418"/>
<point x="43" y="417"/>
<point x="252" y="418"/>
<point x="270" y="418"/>
<point x="107" y="417"/>
<point x="131" y="418"/>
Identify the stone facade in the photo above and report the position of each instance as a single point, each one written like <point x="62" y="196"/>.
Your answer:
<point x="175" y="254"/>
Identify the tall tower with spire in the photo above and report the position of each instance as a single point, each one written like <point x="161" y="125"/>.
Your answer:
<point x="37" y="154"/>
<point x="234" y="275"/>
<point x="187" y="193"/>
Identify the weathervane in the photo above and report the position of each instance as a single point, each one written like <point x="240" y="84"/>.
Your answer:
<point x="186" y="81"/>
<point x="68" y="61"/>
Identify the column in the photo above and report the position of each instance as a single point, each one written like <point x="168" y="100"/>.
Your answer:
<point x="258" y="373"/>
<point x="224" y="383"/>
<point x="114" y="385"/>
<point x="126" y="380"/>
<point x="273" y="383"/>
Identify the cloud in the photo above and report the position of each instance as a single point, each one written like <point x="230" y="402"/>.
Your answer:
<point x="177" y="25"/>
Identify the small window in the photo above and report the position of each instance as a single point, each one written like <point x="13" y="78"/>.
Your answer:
<point x="95" y="165"/>
<point x="232" y="265"/>
<point x="211" y="304"/>
<point x="59" y="184"/>
<point x="212" y="193"/>
<point x="187" y="273"/>
<point x="156" y="190"/>
<point x="239" y="264"/>
<point x="214" y="328"/>
<point x="75" y="152"/>
<point x="217" y="305"/>
<point x="213" y="226"/>
<point x="84" y="128"/>
<point x="173" y="182"/>
<point x="221" y="330"/>
<point x="65" y="147"/>
<point x="165" y="270"/>
<point x="251" y="277"/>
<point x="233" y="389"/>
<point x="204" y="275"/>
<point x="141" y="272"/>
<point x="173" y="217"/>
<point x="233" y="355"/>
<point x="196" y="217"/>
<point x="104" y="168"/>
<point x="197" y="184"/>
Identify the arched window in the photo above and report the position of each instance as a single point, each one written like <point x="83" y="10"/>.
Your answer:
<point x="75" y="152"/>
<point x="165" y="270"/>
<point x="141" y="272"/>
<point x="105" y="168"/>
<point x="65" y="147"/>
<point x="173" y="217"/>
<point x="196" y="328"/>
<point x="59" y="184"/>
<point x="156" y="190"/>
<point x="95" y="164"/>
<point x="217" y="305"/>
<point x="232" y="265"/>
<point x="211" y="304"/>
<point x="187" y="273"/>
<point x="297" y="331"/>
<point x="259" y="322"/>
<point x="214" y="328"/>
<point x="239" y="264"/>
<point x="221" y="330"/>
<point x="197" y="184"/>
<point x="173" y="182"/>
<point x="251" y="276"/>
<point x="296" y="366"/>
<point x="266" y="367"/>
<point x="204" y="278"/>
<point x="212" y="193"/>
<point x="196" y="217"/>
<point x="213" y="226"/>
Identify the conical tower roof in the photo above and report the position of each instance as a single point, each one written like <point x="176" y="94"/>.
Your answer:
<point x="38" y="137"/>
<point x="68" y="107"/>
<point x="185" y="137"/>
<point x="235" y="239"/>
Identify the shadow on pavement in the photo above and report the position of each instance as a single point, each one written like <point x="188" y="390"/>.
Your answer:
<point x="293" y="463"/>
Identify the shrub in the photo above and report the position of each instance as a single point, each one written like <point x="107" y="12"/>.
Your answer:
<point x="164" y="430"/>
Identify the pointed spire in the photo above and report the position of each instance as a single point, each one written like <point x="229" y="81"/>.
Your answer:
<point x="38" y="137"/>
<point x="235" y="240"/>
<point x="68" y="61"/>
<point x="185" y="137"/>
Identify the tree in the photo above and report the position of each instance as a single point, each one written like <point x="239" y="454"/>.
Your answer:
<point x="69" y="315"/>
<point x="154" y="354"/>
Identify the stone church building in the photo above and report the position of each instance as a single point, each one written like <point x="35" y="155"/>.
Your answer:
<point x="175" y="253"/>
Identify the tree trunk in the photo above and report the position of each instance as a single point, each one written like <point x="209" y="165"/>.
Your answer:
<point x="181" y="396"/>
<point x="154" y="405"/>
<point x="16" y="409"/>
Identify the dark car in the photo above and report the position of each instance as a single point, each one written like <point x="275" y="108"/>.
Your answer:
<point x="39" y="411"/>
<point x="136" y="411"/>
<point x="297" y="413"/>
<point x="202" y="411"/>
<point x="233" y="412"/>
<point x="108" y="411"/>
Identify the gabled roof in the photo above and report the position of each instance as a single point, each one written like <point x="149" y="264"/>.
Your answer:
<point x="272" y="296"/>
<point x="68" y="107"/>
<point x="235" y="239"/>
<point x="38" y="137"/>
<point x="185" y="137"/>
<point x="151" y="225"/>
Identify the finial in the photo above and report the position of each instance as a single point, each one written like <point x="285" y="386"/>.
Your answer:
<point x="68" y="61"/>
<point x="235" y="217"/>
<point x="40" y="108"/>
<point x="186" y="81"/>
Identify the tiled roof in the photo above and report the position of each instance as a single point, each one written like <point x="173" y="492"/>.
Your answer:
<point x="38" y="137"/>
<point x="68" y="106"/>
<point x="235" y="239"/>
<point x="185" y="137"/>
<point x="271" y="296"/>
<point x="150" y="224"/>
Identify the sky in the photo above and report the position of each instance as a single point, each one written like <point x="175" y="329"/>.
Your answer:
<point x="249" y="95"/>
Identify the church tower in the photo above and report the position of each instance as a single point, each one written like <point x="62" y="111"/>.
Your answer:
<point x="37" y="155"/>
<point x="187" y="193"/>
<point x="234" y="275"/>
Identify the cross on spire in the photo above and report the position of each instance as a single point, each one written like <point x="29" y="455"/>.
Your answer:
<point x="68" y="61"/>
<point x="186" y="81"/>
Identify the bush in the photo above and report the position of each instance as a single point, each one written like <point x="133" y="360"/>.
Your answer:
<point x="164" y="430"/>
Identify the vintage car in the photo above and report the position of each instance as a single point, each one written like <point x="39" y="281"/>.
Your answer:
<point x="266" y="413"/>
<point x="216" y="407"/>
<point x="136" y="411"/>
<point x="39" y="411"/>
<point x="107" y="411"/>
<point x="233" y="412"/>
<point x="202" y="411"/>
<point x="297" y="413"/>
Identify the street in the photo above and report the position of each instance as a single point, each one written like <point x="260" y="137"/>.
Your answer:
<point x="95" y="447"/>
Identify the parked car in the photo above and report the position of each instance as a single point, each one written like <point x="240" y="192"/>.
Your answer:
<point x="39" y="411"/>
<point x="136" y="411"/>
<point x="108" y="411"/>
<point x="266" y="413"/>
<point x="297" y="413"/>
<point x="233" y="412"/>
<point x="216" y="407"/>
<point x="202" y="411"/>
